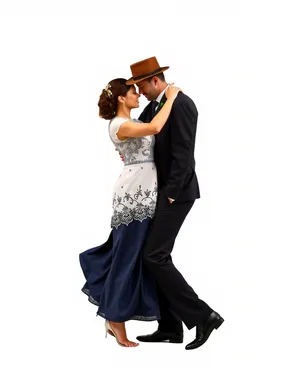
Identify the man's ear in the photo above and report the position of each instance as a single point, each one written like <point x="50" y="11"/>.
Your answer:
<point x="155" y="80"/>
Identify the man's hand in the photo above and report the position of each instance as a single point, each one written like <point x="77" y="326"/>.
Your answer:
<point x="121" y="156"/>
<point x="122" y="159"/>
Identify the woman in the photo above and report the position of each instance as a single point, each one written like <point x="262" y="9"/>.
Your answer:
<point x="116" y="280"/>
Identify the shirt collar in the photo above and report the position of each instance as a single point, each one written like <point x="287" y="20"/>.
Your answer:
<point x="158" y="99"/>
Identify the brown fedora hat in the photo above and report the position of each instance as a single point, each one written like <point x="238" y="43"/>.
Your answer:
<point x="144" y="69"/>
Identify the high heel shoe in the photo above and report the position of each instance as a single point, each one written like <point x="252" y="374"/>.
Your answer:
<point x="108" y="329"/>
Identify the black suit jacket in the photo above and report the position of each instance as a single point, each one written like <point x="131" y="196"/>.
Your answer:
<point x="174" y="150"/>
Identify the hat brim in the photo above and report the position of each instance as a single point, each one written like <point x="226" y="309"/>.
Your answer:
<point x="133" y="80"/>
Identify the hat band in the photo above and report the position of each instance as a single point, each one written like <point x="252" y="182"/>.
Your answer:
<point x="147" y="74"/>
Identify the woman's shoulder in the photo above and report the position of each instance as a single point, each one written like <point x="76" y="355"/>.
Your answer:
<point x="120" y="120"/>
<point x="114" y="126"/>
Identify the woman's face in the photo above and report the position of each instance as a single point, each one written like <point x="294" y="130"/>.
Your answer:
<point x="132" y="98"/>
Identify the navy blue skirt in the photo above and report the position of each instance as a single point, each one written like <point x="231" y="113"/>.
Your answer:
<point x="117" y="280"/>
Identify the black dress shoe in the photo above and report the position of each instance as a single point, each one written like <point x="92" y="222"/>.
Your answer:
<point x="214" y="321"/>
<point x="159" y="336"/>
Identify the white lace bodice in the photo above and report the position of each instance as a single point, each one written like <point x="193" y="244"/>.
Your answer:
<point x="134" y="149"/>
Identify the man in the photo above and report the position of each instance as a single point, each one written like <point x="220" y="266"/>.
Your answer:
<point x="177" y="191"/>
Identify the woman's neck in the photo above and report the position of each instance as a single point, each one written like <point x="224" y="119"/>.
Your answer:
<point x="124" y="113"/>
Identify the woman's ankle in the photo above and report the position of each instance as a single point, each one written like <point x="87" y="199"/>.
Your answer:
<point x="117" y="324"/>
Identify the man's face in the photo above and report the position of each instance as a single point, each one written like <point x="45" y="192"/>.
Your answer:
<point x="148" y="89"/>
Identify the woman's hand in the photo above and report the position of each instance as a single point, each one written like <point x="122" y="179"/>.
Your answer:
<point x="172" y="91"/>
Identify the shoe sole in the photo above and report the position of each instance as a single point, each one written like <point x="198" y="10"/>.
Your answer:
<point x="219" y="323"/>
<point x="163" y="341"/>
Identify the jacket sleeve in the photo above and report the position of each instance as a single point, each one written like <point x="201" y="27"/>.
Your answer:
<point x="183" y="134"/>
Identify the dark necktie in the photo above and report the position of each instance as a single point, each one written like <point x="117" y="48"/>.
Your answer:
<point x="153" y="107"/>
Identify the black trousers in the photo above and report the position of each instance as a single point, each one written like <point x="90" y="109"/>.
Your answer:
<point x="177" y="300"/>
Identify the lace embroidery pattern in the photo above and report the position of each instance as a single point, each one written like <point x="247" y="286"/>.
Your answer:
<point x="135" y="149"/>
<point x="137" y="162"/>
<point x="130" y="207"/>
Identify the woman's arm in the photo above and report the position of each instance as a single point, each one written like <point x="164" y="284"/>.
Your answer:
<point x="132" y="129"/>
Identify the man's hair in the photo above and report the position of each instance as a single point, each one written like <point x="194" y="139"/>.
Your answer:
<point x="161" y="76"/>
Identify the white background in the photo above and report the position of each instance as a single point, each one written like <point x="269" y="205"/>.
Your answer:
<point x="238" y="247"/>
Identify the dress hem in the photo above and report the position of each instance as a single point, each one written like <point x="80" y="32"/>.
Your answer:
<point x="101" y="314"/>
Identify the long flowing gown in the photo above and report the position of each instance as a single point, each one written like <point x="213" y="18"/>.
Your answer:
<point x="116" y="279"/>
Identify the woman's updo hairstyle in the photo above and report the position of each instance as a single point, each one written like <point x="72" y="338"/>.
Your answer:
<point x="108" y="101"/>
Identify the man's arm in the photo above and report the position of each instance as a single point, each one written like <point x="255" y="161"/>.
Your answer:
<point x="183" y="134"/>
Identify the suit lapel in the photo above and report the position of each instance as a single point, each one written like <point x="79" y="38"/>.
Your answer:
<point x="161" y="103"/>
<point x="146" y="116"/>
